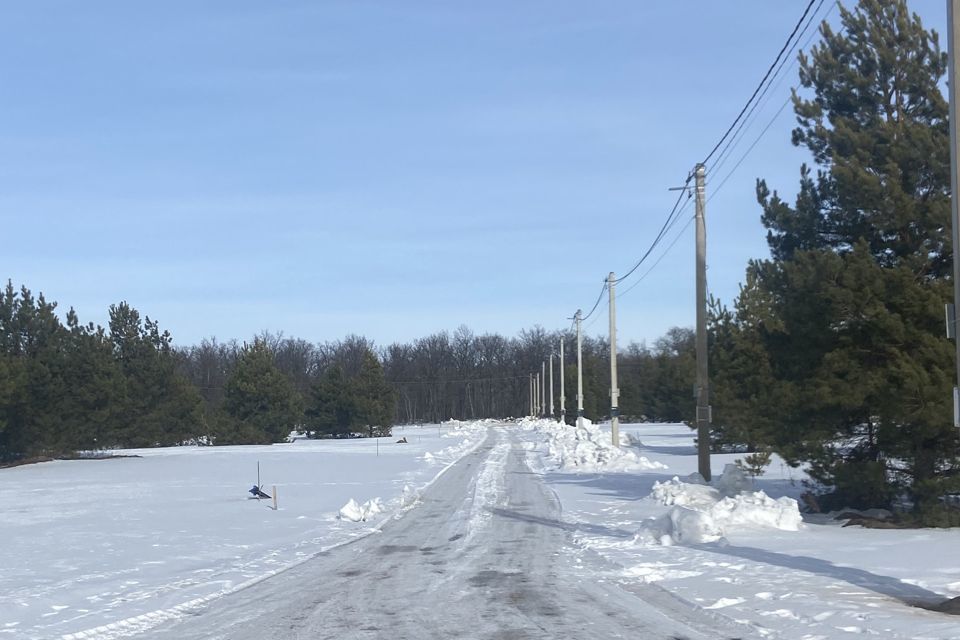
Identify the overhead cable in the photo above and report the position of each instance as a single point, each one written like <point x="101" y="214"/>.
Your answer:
<point x="762" y="82"/>
<point x="775" y="81"/>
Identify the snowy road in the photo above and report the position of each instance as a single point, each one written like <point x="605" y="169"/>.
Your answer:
<point x="484" y="556"/>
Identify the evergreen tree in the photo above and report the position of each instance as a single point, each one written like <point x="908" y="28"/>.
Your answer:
<point x="159" y="406"/>
<point x="92" y="415"/>
<point x="13" y="392"/>
<point x="332" y="408"/>
<point x="375" y="399"/>
<point x="846" y="318"/>
<point x="260" y="398"/>
<point x="34" y="343"/>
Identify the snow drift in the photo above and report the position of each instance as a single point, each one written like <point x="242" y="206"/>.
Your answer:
<point x="703" y="513"/>
<point x="355" y="512"/>
<point x="586" y="448"/>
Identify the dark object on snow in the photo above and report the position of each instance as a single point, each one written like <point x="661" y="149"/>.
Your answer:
<point x="258" y="493"/>
<point x="402" y="440"/>
<point x="950" y="606"/>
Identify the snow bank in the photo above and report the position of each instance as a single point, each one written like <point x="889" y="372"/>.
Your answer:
<point x="360" y="512"/>
<point x="586" y="448"/>
<point x="471" y="434"/>
<point x="703" y="513"/>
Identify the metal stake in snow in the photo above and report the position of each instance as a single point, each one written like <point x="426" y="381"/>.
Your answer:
<point x="563" y="398"/>
<point x="614" y="391"/>
<point x="551" y="385"/>
<point x="953" y="87"/>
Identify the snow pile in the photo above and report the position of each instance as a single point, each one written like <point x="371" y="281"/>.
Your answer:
<point x="678" y="493"/>
<point x="360" y="512"/>
<point x="587" y="448"/>
<point x="734" y="480"/>
<point x="702" y="513"/>
<point x="408" y="496"/>
<point x="471" y="434"/>
<point x="755" y="508"/>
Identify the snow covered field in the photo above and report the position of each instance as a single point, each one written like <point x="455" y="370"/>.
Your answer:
<point x="745" y="558"/>
<point x="109" y="548"/>
<point x="128" y="541"/>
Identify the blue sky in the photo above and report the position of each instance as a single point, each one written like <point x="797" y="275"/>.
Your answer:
<point x="389" y="169"/>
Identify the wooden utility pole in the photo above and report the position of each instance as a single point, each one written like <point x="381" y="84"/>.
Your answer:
<point x="543" y="388"/>
<point x="536" y="395"/>
<point x="551" y="385"/>
<point x="530" y="391"/>
<point x="703" y="384"/>
<point x="579" y="317"/>
<point x="614" y="391"/>
<point x="563" y="391"/>
<point x="953" y="88"/>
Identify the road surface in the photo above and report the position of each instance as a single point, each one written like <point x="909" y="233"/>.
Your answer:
<point x="485" y="555"/>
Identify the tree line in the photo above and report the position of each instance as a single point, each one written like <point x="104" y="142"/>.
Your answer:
<point x="833" y="355"/>
<point x="66" y="386"/>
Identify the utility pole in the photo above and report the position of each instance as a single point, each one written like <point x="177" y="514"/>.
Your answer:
<point x="543" y="388"/>
<point x="703" y="382"/>
<point x="530" y="391"/>
<point x="551" y="386"/>
<point x="536" y="395"/>
<point x="579" y="317"/>
<point x="614" y="391"/>
<point x="563" y="397"/>
<point x="953" y="87"/>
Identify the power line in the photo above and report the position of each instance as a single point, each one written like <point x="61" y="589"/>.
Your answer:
<point x="749" y="149"/>
<point x="775" y="81"/>
<point x="730" y="173"/>
<point x="760" y="86"/>
<point x="595" y="304"/>
<point x="667" y="224"/>
<point x="738" y="128"/>
<point x="589" y="324"/>
<point x="446" y="381"/>
<point x="663" y="230"/>
<point x="662" y="256"/>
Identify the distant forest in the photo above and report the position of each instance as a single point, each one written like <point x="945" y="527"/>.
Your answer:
<point x="68" y="386"/>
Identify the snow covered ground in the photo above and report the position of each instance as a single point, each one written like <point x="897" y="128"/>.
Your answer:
<point x="742" y="554"/>
<point x="109" y="548"/>
<point x="129" y="542"/>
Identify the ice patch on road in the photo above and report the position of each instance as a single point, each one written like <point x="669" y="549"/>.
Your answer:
<point x="489" y="486"/>
<point x="586" y="448"/>
<point x="725" y="602"/>
<point x="657" y="571"/>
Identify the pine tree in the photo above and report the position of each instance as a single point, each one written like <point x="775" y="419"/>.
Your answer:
<point x="331" y="409"/>
<point x="375" y="399"/>
<point x="92" y="418"/>
<point x="260" y="398"/>
<point x="13" y="394"/>
<point x="846" y="319"/>
<point x="159" y="407"/>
